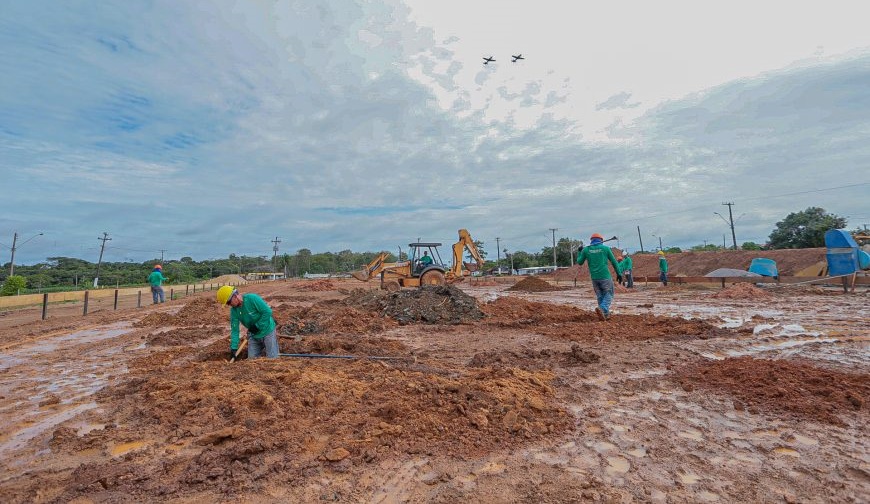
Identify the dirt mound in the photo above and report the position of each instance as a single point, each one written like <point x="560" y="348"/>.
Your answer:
<point x="428" y="304"/>
<point x="330" y="317"/>
<point x="782" y="387"/>
<point x="345" y="345"/>
<point x="515" y="312"/>
<point x="568" y="322"/>
<point x="319" y="285"/>
<point x="534" y="284"/>
<point x="234" y="428"/>
<point x="742" y="291"/>
<point x="228" y="280"/>
<point x="544" y="358"/>
<point x="788" y="261"/>
<point x="184" y="336"/>
<point x="198" y="311"/>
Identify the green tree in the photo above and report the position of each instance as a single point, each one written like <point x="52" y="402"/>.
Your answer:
<point x="12" y="285"/>
<point x="805" y="229"/>
<point x="750" y="246"/>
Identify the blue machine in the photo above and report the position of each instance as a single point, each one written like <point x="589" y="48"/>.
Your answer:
<point x="864" y="259"/>
<point x="842" y="252"/>
<point x="764" y="267"/>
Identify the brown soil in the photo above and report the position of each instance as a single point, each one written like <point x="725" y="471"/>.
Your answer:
<point x="782" y="387"/>
<point x="533" y="284"/>
<point x="319" y="285"/>
<point x="788" y="262"/>
<point x="451" y="395"/>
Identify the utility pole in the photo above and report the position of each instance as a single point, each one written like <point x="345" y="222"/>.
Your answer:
<point x="555" y="266"/>
<point x="276" y="241"/>
<point x="731" y="218"/>
<point x="498" y="254"/>
<point x="161" y="253"/>
<point x="724" y="245"/>
<point x="12" y="259"/>
<point x="639" y="239"/>
<point x="105" y="238"/>
<point x="660" y="244"/>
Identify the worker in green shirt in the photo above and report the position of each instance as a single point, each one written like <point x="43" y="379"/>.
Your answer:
<point x="252" y="312"/>
<point x="598" y="256"/>
<point x="156" y="278"/>
<point x="663" y="268"/>
<point x="625" y="267"/>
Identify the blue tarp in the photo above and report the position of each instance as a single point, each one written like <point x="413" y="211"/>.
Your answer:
<point x="764" y="267"/>
<point x="842" y="252"/>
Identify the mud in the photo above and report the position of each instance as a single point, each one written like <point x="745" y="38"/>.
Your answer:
<point x="782" y="387"/>
<point x="485" y="395"/>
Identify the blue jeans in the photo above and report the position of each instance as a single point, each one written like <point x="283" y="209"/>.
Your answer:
<point x="157" y="292"/>
<point x="604" y="292"/>
<point x="663" y="276"/>
<point x="267" y="345"/>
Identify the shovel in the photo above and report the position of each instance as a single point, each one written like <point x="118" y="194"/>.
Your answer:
<point x="239" y="351"/>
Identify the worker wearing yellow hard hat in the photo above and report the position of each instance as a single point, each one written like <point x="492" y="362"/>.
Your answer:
<point x="156" y="279"/>
<point x="598" y="256"/>
<point x="250" y="311"/>
<point x="663" y="268"/>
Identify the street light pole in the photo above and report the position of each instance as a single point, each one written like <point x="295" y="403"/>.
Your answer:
<point x="12" y="259"/>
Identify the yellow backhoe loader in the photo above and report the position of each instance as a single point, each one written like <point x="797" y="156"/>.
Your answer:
<point x="417" y="272"/>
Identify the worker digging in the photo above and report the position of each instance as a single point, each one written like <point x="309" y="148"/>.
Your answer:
<point x="250" y="311"/>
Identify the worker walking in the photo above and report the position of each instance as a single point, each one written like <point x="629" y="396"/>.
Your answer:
<point x="156" y="279"/>
<point x="626" y="266"/>
<point x="663" y="268"/>
<point x="598" y="255"/>
<point x="252" y="312"/>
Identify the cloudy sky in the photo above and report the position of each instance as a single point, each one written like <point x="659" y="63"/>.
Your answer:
<point x="208" y="128"/>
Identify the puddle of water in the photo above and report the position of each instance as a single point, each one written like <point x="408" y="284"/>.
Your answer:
<point x="603" y="447"/>
<point x="18" y="439"/>
<point x="805" y="440"/>
<point x="123" y="448"/>
<point x="617" y="465"/>
<point x="688" y="478"/>
<point x="691" y="434"/>
<point x="782" y="450"/>
<point x="637" y="452"/>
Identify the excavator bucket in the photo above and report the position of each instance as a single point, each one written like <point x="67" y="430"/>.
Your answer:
<point x="470" y="266"/>
<point x="361" y="275"/>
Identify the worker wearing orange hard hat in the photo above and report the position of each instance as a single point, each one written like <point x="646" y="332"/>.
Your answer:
<point x="598" y="256"/>
<point x="156" y="279"/>
<point x="252" y="312"/>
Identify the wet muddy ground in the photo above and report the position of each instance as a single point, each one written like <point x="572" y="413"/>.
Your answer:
<point x="489" y="392"/>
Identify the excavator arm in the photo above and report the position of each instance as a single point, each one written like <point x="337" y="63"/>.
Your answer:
<point x="371" y="269"/>
<point x="465" y="243"/>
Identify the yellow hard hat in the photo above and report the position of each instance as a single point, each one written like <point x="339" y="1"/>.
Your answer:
<point x="661" y="252"/>
<point x="225" y="293"/>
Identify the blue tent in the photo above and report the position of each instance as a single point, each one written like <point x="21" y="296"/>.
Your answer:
<point x="764" y="267"/>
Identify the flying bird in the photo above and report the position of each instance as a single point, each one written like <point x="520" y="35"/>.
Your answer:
<point x="517" y="57"/>
<point x="486" y="61"/>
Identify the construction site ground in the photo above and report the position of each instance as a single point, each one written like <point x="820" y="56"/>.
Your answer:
<point x="487" y="391"/>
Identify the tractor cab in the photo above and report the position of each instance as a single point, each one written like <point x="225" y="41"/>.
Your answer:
<point x="425" y="257"/>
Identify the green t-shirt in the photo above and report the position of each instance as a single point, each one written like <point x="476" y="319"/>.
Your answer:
<point x="663" y="265"/>
<point x="598" y="256"/>
<point x="254" y="314"/>
<point x="156" y="278"/>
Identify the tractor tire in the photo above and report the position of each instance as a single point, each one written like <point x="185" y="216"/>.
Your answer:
<point x="432" y="277"/>
<point x="392" y="286"/>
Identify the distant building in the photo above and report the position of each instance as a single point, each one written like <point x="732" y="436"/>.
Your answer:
<point x="536" y="270"/>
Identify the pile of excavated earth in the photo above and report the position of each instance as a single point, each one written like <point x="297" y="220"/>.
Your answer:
<point x="439" y="394"/>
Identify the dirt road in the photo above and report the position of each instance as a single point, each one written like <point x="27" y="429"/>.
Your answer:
<point x="491" y="395"/>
